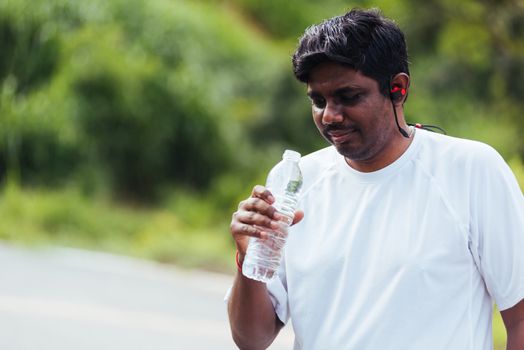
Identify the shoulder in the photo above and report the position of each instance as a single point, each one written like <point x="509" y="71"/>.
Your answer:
<point x="461" y="165"/>
<point x="320" y="159"/>
<point x="455" y="147"/>
<point x="458" y="153"/>
<point x="316" y="165"/>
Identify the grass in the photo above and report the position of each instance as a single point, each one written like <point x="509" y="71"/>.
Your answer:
<point x="499" y="332"/>
<point x="66" y="217"/>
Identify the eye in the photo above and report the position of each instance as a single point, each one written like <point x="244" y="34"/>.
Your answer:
<point x="350" y="99"/>
<point x="318" y="102"/>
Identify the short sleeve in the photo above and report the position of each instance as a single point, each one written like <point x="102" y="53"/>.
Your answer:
<point x="497" y="228"/>
<point x="277" y="289"/>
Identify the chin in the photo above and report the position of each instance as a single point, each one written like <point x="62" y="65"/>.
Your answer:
<point x="355" y="153"/>
<point x="349" y="152"/>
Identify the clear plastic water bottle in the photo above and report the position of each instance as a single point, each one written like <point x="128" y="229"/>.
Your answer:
<point x="263" y="255"/>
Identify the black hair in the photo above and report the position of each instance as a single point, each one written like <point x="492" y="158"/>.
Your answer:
<point x="364" y="40"/>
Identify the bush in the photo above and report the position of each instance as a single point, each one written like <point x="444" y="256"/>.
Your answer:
<point x="141" y="95"/>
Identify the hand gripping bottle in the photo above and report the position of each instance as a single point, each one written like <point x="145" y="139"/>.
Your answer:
<point x="263" y="255"/>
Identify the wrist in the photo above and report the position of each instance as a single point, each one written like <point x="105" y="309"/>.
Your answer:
<point x="239" y="259"/>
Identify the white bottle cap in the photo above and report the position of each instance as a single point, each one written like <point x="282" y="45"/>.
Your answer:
<point x="291" y="155"/>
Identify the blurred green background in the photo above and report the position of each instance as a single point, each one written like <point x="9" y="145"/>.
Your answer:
<point x="136" y="126"/>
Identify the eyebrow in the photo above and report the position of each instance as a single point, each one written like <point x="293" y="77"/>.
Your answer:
<point x="339" y="91"/>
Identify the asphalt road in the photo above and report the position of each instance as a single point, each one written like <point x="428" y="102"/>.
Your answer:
<point x="58" y="299"/>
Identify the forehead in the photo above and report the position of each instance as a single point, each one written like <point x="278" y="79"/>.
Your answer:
<point x="331" y="76"/>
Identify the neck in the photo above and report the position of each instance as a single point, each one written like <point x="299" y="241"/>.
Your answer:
<point x="388" y="155"/>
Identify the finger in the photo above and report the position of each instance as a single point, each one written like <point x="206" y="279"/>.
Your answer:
<point x="238" y="228"/>
<point x="263" y="193"/>
<point x="256" y="219"/>
<point x="299" y="215"/>
<point x="259" y="206"/>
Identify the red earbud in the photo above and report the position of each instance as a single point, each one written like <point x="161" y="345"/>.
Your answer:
<point x="397" y="92"/>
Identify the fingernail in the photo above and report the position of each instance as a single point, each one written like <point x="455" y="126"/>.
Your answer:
<point x="271" y="198"/>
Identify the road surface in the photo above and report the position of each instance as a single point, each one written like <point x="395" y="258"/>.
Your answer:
<point x="61" y="298"/>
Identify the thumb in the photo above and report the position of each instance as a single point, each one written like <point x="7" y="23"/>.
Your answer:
<point x="299" y="215"/>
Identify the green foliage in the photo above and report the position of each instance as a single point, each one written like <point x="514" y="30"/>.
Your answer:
<point x="187" y="104"/>
<point x="151" y="95"/>
<point x="499" y="331"/>
<point x="67" y="217"/>
<point x="288" y="119"/>
<point x="36" y="145"/>
<point x="471" y="63"/>
<point x="143" y="128"/>
<point x="26" y="54"/>
<point x="165" y="239"/>
<point x="518" y="169"/>
<point x="140" y="96"/>
<point x="285" y="19"/>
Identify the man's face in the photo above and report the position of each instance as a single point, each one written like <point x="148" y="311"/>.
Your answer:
<point x="351" y="113"/>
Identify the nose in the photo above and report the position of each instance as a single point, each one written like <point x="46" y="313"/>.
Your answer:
<point x="332" y="114"/>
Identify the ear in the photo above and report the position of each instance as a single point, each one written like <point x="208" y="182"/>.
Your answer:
<point x="399" y="88"/>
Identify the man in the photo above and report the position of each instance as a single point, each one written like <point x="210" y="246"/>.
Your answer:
<point x="404" y="237"/>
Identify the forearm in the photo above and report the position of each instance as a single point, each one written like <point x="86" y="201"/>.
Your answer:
<point x="254" y="324"/>
<point x="516" y="337"/>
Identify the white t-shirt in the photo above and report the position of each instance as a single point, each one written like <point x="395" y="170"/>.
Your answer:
<point x="407" y="257"/>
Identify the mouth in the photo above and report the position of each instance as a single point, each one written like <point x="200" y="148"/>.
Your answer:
<point x="339" y="136"/>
